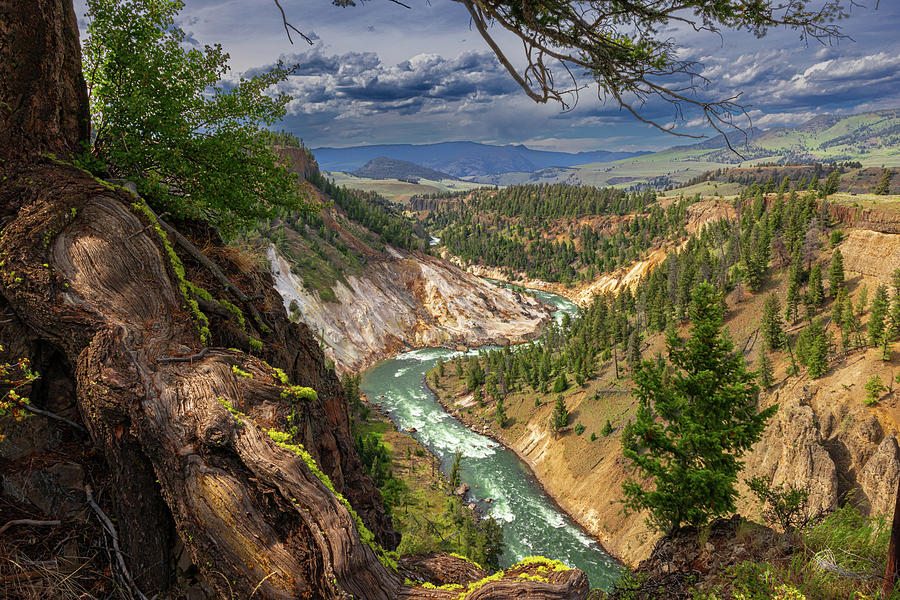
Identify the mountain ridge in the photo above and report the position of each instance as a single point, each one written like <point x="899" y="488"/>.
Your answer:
<point x="462" y="159"/>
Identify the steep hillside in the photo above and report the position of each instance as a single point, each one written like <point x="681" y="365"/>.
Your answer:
<point x="824" y="437"/>
<point x="356" y="274"/>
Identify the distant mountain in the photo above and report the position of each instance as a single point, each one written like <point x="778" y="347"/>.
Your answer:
<point x="392" y="168"/>
<point x="462" y="159"/>
<point x="870" y="138"/>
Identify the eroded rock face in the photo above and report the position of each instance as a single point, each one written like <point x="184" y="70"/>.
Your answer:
<point x="792" y="452"/>
<point x="872" y="253"/>
<point x="408" y="300"/>
<point x="878" y="479"/>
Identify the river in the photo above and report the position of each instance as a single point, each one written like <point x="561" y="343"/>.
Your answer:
<point x="533" y="524"/>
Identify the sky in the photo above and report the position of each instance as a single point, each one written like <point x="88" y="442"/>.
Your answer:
<point x="380" y="73"/>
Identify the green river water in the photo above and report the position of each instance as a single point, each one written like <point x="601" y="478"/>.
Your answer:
<point x="533" y="524"/>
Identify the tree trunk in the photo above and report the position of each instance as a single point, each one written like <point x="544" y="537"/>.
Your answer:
<point x="85" y="272"/>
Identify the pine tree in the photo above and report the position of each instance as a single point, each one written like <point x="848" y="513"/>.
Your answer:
<point x="862" y="300"/>
<point x="772" y="330"/>
<point x="440" y="366"/>
<point x="816" y="294"/>
<point x="812" y="349"/>
<point x="560" y="417"/>
<point x="500" y="414"/>
<point x="765" y="371"/>
<point x="561" y="384"/>
<point x="793" y="301"/>
<point x="455" y="470"/>
<point x="695" y="419"/>
<point x="895" y="304"/>
<point x="836" y="273"/>
<point x="877" y="328"/>
<point x="884" y="184"/>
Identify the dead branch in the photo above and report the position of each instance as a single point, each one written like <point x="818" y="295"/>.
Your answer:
<point x="54" y="416"/>
<point x="30" y="522"/>
<point x="111" y="530"/>
<point x="212" y="267"/>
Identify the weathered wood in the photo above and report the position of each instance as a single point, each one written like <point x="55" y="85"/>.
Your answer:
<point x="85" y="275"/>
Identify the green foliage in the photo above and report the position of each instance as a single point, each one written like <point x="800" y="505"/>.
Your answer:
<point x="507" y="228"/>
<point x="874" y="389"/>
<point x="579" y="428"/>
<point x="500" y="414"/>
<point x="784" y="505"/>
<point x="696" y="417"/>
<point x="560" y="417"/>
<point x="836" y="273"/>
<point x="14" y="376"/>
<point x="816" y="294"/>
<point x="878" y="327"/>
<point x="607" y="429"/>
<point x="376" y="462"/>
<point x="765" y="371"/>
<point x="771" y="327"/>
<point x="373" y="212"/>
<point x="884" y="184"/>
<point x="561" y="384"/>
<point x="454" y="471"/>
<point x="812" y="348"/>
<point x="159" y="116"/>
<point x="240" y="372"/>
<point x="836" y="237"/>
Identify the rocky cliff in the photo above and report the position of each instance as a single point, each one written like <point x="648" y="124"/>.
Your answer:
<point x="404" y="300"/>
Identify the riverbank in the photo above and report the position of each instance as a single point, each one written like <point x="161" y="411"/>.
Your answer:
<point x="533" y="522"/>
<point x="582" y="473"/>
<point x="485" y="427"/>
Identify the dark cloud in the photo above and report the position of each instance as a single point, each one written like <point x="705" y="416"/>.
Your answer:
<point x="356" y="83"/>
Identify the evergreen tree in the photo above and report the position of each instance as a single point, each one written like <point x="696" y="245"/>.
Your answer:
<point x="816" y="294"/>
<point x="561" y="384"/>
<point x="693" y="423"/>
<point x="862" y="300"/>
<point x="454" y="471"/>
<point x="877" y="329"/>
<point x="765" y="371"/>
<point x="440" y="366"/>
<point x="884" y="184"/>
<point x="772" y="330"/>
<point x="500" y="414"/>
<point x="793" y="300"/>
<point x="831" y="184"/>
<point x="836" y="273"/>
<point x="812" y="349"/>
<point x="895" y="304"/>
<point x="560" y="416"/>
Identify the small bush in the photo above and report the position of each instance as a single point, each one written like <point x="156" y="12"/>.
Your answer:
<point x="579" y="429"/>
<point x="785" y="505"/>
<point x="874" y="389"/>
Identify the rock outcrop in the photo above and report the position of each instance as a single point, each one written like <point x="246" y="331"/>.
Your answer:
<point x="792" y="451"/>
<point x="405" y="300"/>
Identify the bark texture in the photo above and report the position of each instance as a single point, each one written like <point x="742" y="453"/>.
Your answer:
<point x="43" y="98"/>
<point x="91" y="282"/>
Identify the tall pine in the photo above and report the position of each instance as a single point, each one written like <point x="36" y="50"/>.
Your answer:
<point x="697" y="416"/>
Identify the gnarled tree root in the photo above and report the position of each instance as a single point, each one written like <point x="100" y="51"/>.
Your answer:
<point x="245" y="508"/>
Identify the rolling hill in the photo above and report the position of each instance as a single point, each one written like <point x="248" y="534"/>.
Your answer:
<point x="392" y="168"/>
<point x="870" y="138"/>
